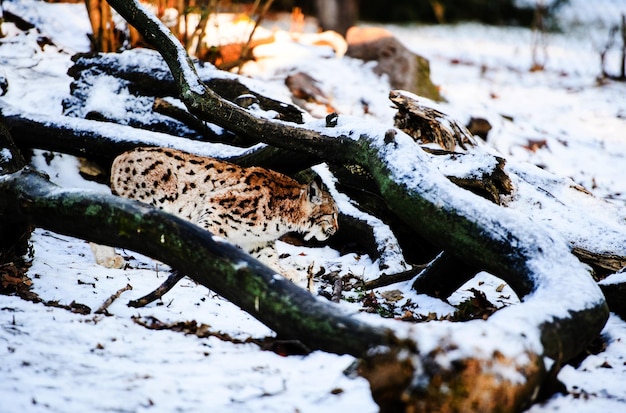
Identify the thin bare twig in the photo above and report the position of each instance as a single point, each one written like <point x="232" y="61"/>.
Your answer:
<point x="109" y="301"/>
<point x="246" y="47"/>
<point x="337" y="289"/>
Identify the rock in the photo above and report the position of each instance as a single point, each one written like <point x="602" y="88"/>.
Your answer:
<point x="307" y="93"/>
<point x="406" y="70"/>
<point x="479" y="127"/>
<point x="304" y="86"/>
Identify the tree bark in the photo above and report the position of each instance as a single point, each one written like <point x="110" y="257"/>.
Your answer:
<point x="14" y="233"/>
<point x="88" y="138"/>
<point x="78" y="137"/>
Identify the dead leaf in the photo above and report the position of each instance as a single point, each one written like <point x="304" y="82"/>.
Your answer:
<point x="534" y="145"/>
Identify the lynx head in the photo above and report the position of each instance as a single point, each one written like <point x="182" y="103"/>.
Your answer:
<point x="322" y="219"/>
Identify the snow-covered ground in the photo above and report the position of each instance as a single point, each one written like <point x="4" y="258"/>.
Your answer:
<point x="56" y="360"/>
<point x="580" y="121"/>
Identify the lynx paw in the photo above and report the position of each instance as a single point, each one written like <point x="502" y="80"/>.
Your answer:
<point x="106" y="256"/>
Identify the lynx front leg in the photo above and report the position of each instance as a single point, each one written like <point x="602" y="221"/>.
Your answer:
<point x="268" y="255"/>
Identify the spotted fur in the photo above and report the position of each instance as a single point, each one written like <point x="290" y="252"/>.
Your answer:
<point x="250" y="207"/>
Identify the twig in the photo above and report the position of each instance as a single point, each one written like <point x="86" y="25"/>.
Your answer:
<point x="246" y="47"/>
<point x="337" y="289"/>
<point x="161" y="290"/>
<point x="386" y="280"/>
<point x="284" y="347"/>
<point x="109" y="301"/>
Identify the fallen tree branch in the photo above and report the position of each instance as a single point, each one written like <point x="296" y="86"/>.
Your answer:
<point x="209" y="106"/>
<point x="102" y="141"/>
<point x="385" y="280"/>
<point x="163" y="107"/>
<point x="103" y="308"/>
<point x="558" y="202"/>
<point x="443" y="275"/>
<point x="150" y="76"/>
<point x="223" y="268"/>
<point x="98" y="141"/>
<point x="161" y="290"/>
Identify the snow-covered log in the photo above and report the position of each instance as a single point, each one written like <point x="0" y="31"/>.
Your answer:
<point x="598" y="238"/>
<point x="494" y="363"/>
<point x="93" y="139"/>
<point x="216" y="264"/>
<point x="144" y="73"/>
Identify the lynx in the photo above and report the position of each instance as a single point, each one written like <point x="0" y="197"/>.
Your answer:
<point x="250" y="207"/>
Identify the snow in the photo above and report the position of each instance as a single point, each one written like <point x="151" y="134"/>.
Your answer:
<point x="342" y="79"/>
<point x="617" y="278"/>
<point x="581" y="122"/>
<point x="135" y="367"/>
<point x="391" y="260"/>
<point x="55" y="360"/>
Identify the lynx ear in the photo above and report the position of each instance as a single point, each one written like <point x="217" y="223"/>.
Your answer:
<point x="315" y="191"/>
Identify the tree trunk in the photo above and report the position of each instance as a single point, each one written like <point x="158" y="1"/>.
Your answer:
<point x="103" y="38"/>
<point x="337" y="15"/>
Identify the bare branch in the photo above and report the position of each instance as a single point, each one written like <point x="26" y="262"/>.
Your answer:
<point x="208" y="106"/>
<point x="161" y="290"/>
<point x="109" y="301"/>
